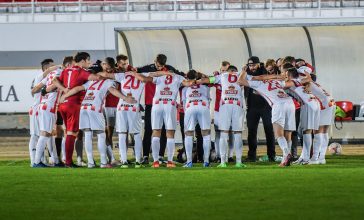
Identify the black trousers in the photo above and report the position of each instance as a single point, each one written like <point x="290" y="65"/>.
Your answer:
<point x="147" y="139"/>
<point x="198" y="133"/>
<point x="253" y="116"/>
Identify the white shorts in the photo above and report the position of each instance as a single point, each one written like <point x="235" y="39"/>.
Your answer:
<point x="216" y="119"/>
<point x="310" y="116"/>
<point x="33" y="121"/>
<point x="231" y="117"/>
<point x="47" y="119"/>
<point x="166" y="113"/>
<point x="327" y="116"/>
<point x="128" y="121"/>
<point x="93" y="120"/>
<point x="283" y="114"/>
<point x="197" y="114"/>
<point x="110" y="115"/>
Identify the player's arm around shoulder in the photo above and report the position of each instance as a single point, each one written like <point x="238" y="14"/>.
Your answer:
<point x="37" y="88"/>
<point x="143" y="77"/>
<point x="72" y="92"/>
<point x="117" y="93"/>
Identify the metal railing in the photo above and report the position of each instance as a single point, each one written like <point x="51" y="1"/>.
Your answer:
<point x="84" y="6"/>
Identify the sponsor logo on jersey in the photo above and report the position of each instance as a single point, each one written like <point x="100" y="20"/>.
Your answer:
<point x="166" y="91"/>
<point x="195" y="93"/>
<point x="89" y="96"/>
<point x="231" y="91"/>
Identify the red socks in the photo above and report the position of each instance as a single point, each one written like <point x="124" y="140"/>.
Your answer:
<point x="69" y="145"/>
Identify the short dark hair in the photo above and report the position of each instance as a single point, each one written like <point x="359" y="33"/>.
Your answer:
<point x="110" y="61"/>
<point x="81" y="56"/>
<point x="161" y="59"/>
<point x="191" y="74"/>
<point x="121" y="57"/>
<point x="292" y="72"/>
<point x="232" y="68"/>
<point x="67" y="60"/>
<point x="289" y="59"/>
<point x="287" y="66"/>
<point x="253" y="59"/>
<point x="225" y="63"/>
<point x="46" y="62"/>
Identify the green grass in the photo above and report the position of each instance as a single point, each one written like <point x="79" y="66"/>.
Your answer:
<point x="261" y="191"/>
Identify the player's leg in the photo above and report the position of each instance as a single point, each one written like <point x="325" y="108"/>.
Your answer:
<point x="122" y="129"/>
<point x="34" y="135"/>
<point x="189" y="125"/>
<point x="324" y="130"/>
<point x="237" y="128"/>
<point x="278" y="121"/>
<point x="85" y="125"/>
<point x="269" y="133"/>
<point x="41" y="144"/>
<point x="147" y="133"/>
<point x="79" y="148"/>
<point x="224" y="125"/>
<point x="252" y="119"/>
<point x="204" y="120"/>
<point x="157" y="123"/>
<point x="123" y="150"/>
<point x="59" y="133"/>
<point x="230" y="154"/>
<point x="217" y="136"/>
<point x="136" y="129"/>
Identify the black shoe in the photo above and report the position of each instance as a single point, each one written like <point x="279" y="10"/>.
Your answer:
<point x="249" y="159"/>
<point x="71" y="166"/>
<point x="145" y="160"/>
<point x="217" y="160"/>
<point x="60" y="164"/>
<point x="231" y="160"/>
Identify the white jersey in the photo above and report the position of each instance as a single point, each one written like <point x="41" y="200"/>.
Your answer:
<point x="325" y="98"/>
<point x="130" y="86"/>
<point x="271" y="90"/>
<point x="37" y="96"/>
<point x="51" y="97"/>
<point x="232" y="92"/>
<point x="96" y="93"/>
<point x="299" y="90"/>
<point x="196" y="94"/>
<point x="167" y="88"/>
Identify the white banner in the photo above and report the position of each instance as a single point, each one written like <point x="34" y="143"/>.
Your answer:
<point x="15" y="90"/>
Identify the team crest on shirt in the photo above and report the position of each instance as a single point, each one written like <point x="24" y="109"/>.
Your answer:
<point x="231" y="90"/>
<point x="89" y="96"/>
<point x="195" y="93"/>
<point x="166" y="91"/>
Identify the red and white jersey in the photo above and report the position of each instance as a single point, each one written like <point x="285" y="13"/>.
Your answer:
<point x="299" y="90"/>
<point x="96" y="92"/>
<point x="37" y="96"/>
<point x="197" y="94"/>
<point x="51" y="97"/>
<point x="271" y="90"/>
<point x="130" y="86"/>
<point x="167" y="87"/>
<point x="231" y="91"/>
<point x="324" y="97"/>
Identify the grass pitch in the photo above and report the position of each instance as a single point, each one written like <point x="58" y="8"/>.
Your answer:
<point x="261" y="191"/>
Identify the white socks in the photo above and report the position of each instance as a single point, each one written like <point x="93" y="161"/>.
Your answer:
<point x="155" y="148"/>
<point x="307" y="142"/>
<point x="317" y="140"/>
<point x="88" y="147"/>
<point x="223" y="146"/>
<point x="101" y="145"/>
<point x="217" y="143"/>
<point x="123" y="150"/>
<point x="189" y="146"/>
<point x="170" y="148"/>
<point x="324" y="145"/>
<point x="52" y="150"/>
<point x="289" y="144"/>
<point x="138" y="147"/>
<point x="282" y="142"/>
<point x="231" y="145"/>
<point x="32" y="147"/>
<point x="206" y="148"/>
<point x="238" y="145"/>
<point x="42" y="142"/>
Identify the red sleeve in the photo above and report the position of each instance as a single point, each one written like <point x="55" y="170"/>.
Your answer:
<point x="61" y="77"/>
<point x="84" y="75"/>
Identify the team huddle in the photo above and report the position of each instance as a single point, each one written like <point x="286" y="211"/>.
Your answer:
<point x="95" y="100"/>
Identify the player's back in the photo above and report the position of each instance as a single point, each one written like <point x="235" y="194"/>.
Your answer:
<point x="231" y="90"/>
<point x="51" y="97"/>
<point x="37" y="96"/>
<point x="130" y="86"/>
<point x="324" y="97"/>
<point x="96" y="92"/>
<point x="197" y="93"/>
<point x="167" y="87"/>
<point x="72" y="77"/>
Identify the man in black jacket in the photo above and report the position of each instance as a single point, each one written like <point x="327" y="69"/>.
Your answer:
<point x="258" y="108"/>
<point x="158" y="65"/>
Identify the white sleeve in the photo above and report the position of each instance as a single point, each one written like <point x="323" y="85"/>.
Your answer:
<point x="119" y="77"/>
<point x="180" y="79"/>
<point x="87" y="84"/>
<point x="156" y="80"/>
<point x="44" y="81"/>
<point x="253" y="83"/>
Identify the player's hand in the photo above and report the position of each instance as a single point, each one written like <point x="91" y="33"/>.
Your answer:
<point x="61" y="99"/>
<point x="65" y="90"/>
<point x="130" y="100"/>
<point x="245" y="69"/>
